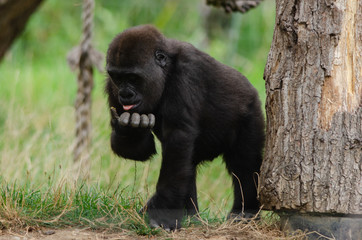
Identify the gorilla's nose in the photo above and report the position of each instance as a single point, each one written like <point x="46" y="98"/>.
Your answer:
<point x="127" y="96"/>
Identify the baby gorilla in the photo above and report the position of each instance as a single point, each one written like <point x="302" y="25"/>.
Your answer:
<point x="197" y="107"/>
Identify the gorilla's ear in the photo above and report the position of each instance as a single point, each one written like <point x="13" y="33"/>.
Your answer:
<point x="161" y="58"/>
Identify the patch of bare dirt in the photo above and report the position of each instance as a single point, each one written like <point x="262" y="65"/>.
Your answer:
<point x="66" y="234"/>
<point x="225" y="231"/>
<point x="189" y="233"/>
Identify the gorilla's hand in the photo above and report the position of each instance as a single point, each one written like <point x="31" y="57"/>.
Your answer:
<point x="131" y="136"/>
<point x="135" y="120"/>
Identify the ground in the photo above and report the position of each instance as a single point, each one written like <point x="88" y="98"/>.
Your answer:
<point x="64" y="234"/>
<point x="236" y="231"/>
<point x="84" y="234"/>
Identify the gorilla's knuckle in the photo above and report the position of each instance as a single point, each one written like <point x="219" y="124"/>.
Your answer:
<point x="152" y="120"/>
<point x="124" y="119"/>
<point x="135" y="120"/>
<point x="144" y="121"/>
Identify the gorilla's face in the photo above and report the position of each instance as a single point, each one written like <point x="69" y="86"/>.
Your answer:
<point x="136" y="66"/>
<point x="129" y="87"/>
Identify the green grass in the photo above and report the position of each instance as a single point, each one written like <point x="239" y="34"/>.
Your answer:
<point x="37" y="92"/>
<point x="62" y="205"/>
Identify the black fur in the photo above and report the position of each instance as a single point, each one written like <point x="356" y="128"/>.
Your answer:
<point x="202" y="108"/>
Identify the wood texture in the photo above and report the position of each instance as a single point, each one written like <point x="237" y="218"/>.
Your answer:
<point x="14" y="14"/>
<point x="312" y="160"/>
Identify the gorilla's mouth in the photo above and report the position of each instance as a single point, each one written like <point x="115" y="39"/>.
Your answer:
<point x="128" y="107"/>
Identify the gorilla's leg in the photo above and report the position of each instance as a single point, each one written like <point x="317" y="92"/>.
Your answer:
<point x="191" y="205"/>
<point x="243" y="166"/>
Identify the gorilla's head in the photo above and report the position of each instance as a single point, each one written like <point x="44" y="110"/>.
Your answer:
<point x="137" y="63"/>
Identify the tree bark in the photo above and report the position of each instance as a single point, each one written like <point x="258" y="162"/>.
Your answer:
<point x="312" y="160"/>
<point x="14" y="14"/>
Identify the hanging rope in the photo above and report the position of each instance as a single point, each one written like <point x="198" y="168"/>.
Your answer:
<point x="83" y="57"/>
<point x="234" y="5"/>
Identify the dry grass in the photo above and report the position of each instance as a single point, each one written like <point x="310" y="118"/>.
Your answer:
<point x="237" y="231"/>
<point x="200" y="229"/>
<point x="222" y="231"/>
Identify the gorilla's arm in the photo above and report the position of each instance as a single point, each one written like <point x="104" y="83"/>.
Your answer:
<point x="131" y="136"/>
<point x="166" y="207"/>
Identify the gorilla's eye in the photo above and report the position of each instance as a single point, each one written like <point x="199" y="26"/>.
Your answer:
<point x="160" y="58"/>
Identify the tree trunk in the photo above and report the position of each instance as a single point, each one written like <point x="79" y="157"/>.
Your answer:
<point x="14" y="15"/>
<point x="313" y="75"/>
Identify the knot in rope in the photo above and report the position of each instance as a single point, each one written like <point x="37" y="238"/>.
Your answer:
<point x="235" y="5"/>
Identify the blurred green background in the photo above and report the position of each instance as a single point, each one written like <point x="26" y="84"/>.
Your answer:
<point x="37" y="89"/>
